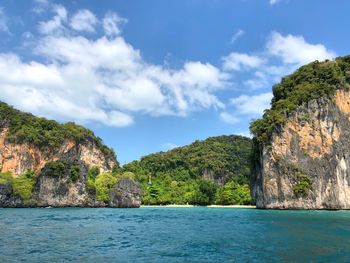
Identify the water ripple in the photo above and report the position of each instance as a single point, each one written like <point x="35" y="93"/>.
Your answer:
<point x="173" y="235"/>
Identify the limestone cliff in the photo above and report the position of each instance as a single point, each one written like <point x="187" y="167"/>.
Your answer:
<point x="58" y="157"/>
<point x="305" y="162"/>
<point x="18" y="158"/>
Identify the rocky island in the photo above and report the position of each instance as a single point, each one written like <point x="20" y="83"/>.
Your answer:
<point x="44" y="163"/>
<point x="302" y="156"/>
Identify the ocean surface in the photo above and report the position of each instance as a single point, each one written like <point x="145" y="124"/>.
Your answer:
<point x="167" y="234"/>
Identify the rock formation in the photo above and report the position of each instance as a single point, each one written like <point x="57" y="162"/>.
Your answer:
<point x="305" y="163"/>
<point x="72" y="159"/>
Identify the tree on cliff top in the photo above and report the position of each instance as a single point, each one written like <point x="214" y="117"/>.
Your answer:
<point x="312" y="81"/>
<point x="44" y="133"/>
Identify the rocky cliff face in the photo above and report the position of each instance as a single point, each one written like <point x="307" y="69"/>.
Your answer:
<point x="60" y="190"/>
<point x="19" y="158"/>
<point x="307" y="163"/>
<point x="60" y="172"/>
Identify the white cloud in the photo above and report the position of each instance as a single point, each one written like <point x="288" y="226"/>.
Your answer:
<point x="292" y="52"/>
<point x="118" y="119"/>
<point x="56" y="23"/>
<point x="246" y="106"/>
<point x="259" y="81"/>
<point x="130" y="83"/>
<point x="251" y="105"/>
<point x="240" y="61"/>
<point x="112" y="22"/>
<point x="103" y="79"/>
<point x="49" y="90"/>
<point x="228" y="118"/>
<point x="237" y="35"/>
<point x="266" y="76"/>
<point x="295" y="50"/>
<point x="84" y="20"/>
<point x="114" y="54"/>
<point x="265" y="70"/>
<point x="3" y="21"/>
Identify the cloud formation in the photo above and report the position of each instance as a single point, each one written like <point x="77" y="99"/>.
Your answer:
<point x="112" y="23"/>
<point x="283" y="54"/>
<point x="237" y="35"/>
<point x="295" y="50"/>
<point x="251" y="105"/>
<point x="84" y="20"/>
<point x="56" y="23"/>
<point x="240" y="61"/>
<point x="102" y="79"/>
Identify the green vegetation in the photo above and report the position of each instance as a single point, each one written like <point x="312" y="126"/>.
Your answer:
<point x="99" y="184"/>
<point x="61" y="168"/>
<point x="55" y="169"/>
<point x="205" y="193"/>
<point x="234" y="193"/>
<point x="176" y="176"/>
<point x="127" y="175"/>
<point x="74" y="173"/>
<point x="5" y="178"/>
<point x="302" y="181"/>
<point x="43" y="133"/>
<point x="303" y="186"/>
<point x="22" y="185"/>
<point x="312" y="81"/>
<point x="93" y="172"/>
<point x="103" y="183"/>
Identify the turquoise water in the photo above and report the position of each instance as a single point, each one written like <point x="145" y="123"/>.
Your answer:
<point x="173" y="235"/>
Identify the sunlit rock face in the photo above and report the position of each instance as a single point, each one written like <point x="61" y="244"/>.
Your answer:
<point x="19" y="158"/>
<point x="307" y="163"/>
<point x="60" y="190"/>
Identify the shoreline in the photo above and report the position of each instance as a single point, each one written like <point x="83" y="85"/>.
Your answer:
<point x="209" y="206"/>
<point x="232" y="206"/>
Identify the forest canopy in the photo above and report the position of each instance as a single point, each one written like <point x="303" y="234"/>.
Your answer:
<point x="44" y="133"/>
<point x="213" y="171"/>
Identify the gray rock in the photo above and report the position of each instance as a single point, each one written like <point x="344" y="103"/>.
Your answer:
<point x="7" y="198"/>
<point x="127" y="193"/>
<point x="61" y="191"/>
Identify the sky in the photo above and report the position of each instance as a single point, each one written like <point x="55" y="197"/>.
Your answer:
<point x="147" y="76"/>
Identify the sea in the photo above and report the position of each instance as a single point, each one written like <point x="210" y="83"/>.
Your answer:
<point x="173" y="234"/>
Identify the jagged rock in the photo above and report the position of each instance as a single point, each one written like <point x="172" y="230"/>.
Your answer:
<point x="60" y="191"/>
<point x="218" y="179"/>
<point x="7" y="198"/>
<point x="127" y="193"/>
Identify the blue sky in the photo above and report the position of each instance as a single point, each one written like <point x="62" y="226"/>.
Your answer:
<point x="146" y="76"/>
